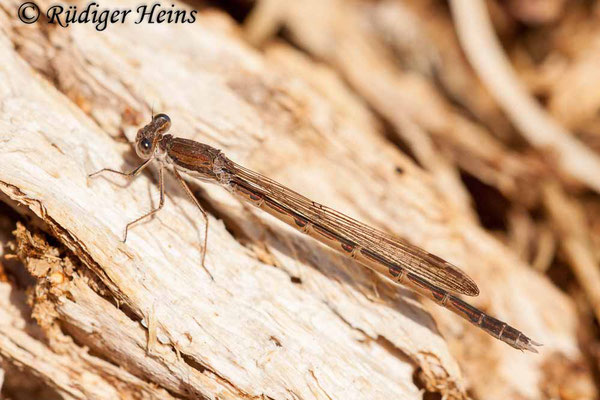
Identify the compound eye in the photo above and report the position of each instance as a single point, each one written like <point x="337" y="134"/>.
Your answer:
<point x="162" y="123"/>
<point x="146" y="144"/>
<point x="164" y="118"/>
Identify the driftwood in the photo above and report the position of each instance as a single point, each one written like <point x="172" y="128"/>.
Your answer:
<point x="284" y="318"/>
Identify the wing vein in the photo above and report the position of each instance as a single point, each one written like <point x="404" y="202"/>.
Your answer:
<point x="393" y="249"/>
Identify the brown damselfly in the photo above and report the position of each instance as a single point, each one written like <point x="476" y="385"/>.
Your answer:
<point x="388" y="255"/>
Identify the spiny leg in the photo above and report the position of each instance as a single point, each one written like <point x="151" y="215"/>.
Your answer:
<point x="130" y="174"/>
<point x="191" y="195"/>
<point x="160" y="204"/>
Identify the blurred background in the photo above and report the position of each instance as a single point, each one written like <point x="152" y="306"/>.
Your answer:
<point x="497" y="101"/>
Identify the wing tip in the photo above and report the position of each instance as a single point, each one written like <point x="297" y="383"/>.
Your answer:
<point x="469" y="287"/>
<point x="472" y="288"/>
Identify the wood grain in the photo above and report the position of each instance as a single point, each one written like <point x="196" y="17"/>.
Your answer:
<point x="285" y="318"/>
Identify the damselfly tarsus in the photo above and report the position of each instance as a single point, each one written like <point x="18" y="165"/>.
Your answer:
<point x="388" y="255"/>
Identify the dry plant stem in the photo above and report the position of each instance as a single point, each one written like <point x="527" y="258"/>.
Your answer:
<point x="520" y="230"/>
<point x="546" y="249"/>
<point x="422" y="38"/>
<point x="487" y="57"/>
<point x="569" y="220"/>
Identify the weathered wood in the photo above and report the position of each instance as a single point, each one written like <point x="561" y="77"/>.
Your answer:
<point x="285" y="317"/>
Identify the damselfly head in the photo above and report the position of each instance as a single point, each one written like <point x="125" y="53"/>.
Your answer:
<point x="148" y="137"/>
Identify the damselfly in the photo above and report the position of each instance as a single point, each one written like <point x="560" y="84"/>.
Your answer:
<point x="394" y="258"/>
